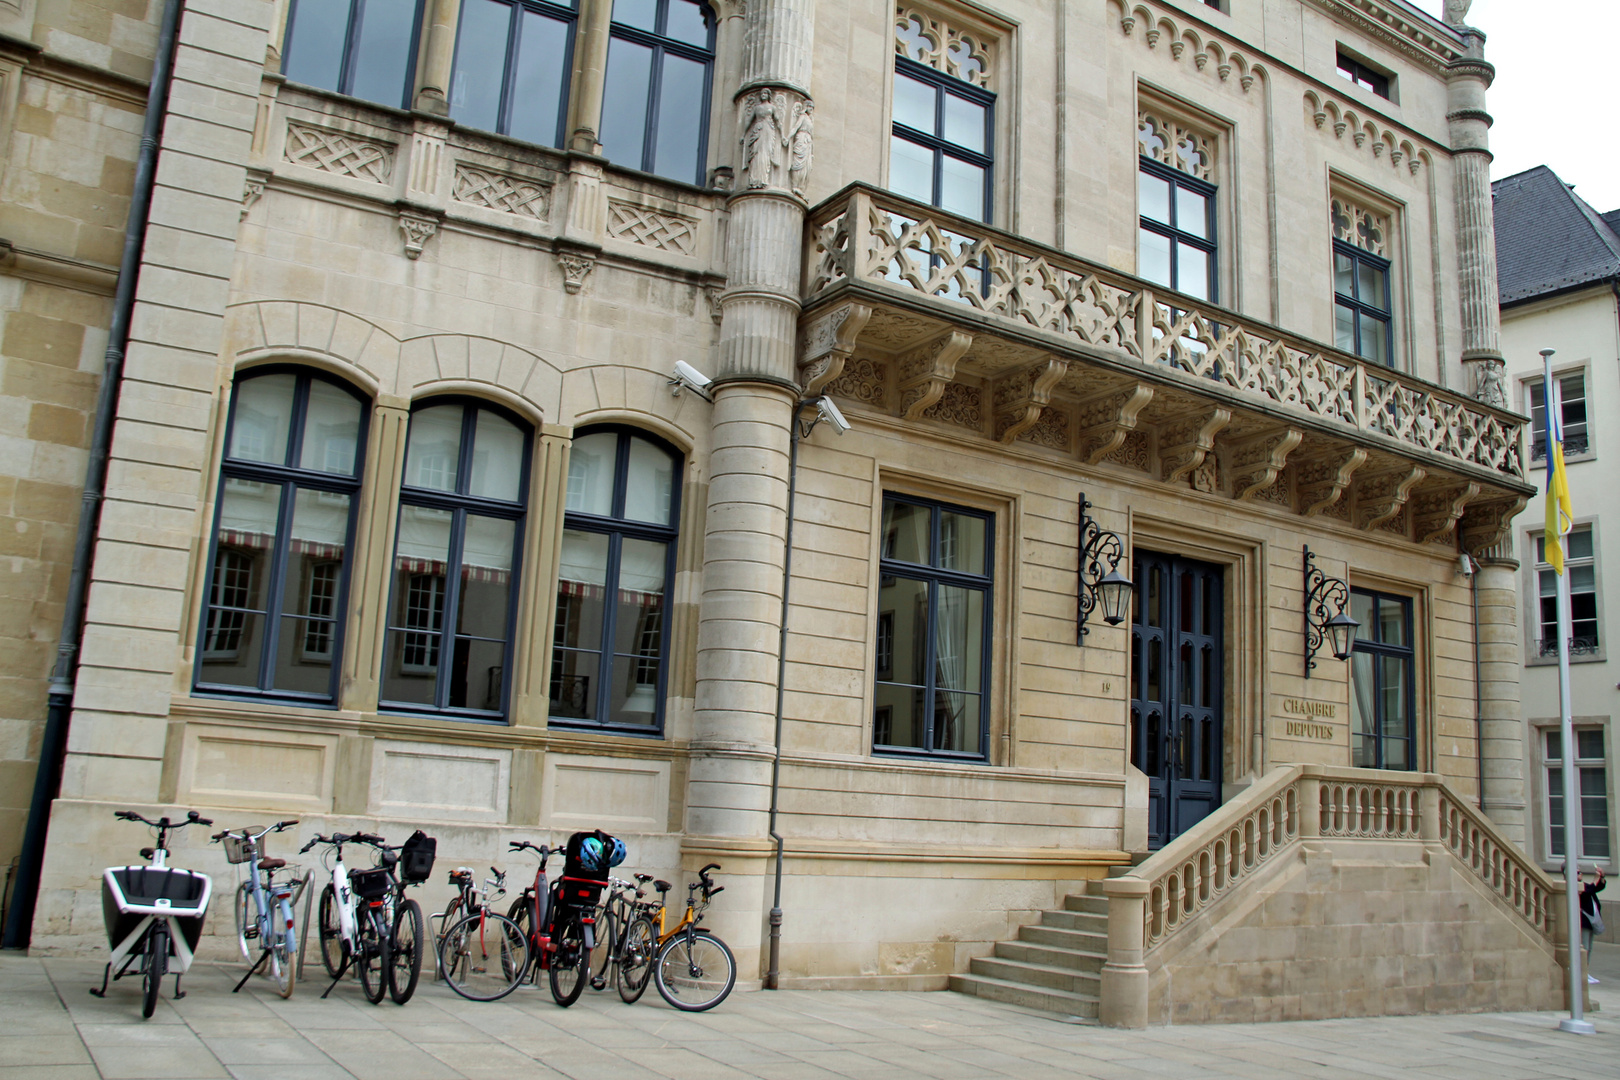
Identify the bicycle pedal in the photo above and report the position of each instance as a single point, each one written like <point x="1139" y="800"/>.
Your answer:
<point x="251" y="933"/>
<point x="598" y="983"/>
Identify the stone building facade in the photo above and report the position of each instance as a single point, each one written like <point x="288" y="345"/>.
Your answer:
<point x="407" y="523"/>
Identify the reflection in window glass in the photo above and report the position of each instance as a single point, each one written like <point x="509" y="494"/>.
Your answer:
<point x="655" y="107"/>
<point x="366" y="48"/>
<point x="1175" y="238"/>
<point x="1362" y="313"/>
<point x="512" y="68"/>
<point x="1381" y="689"/>
<point x="940" y="145"/>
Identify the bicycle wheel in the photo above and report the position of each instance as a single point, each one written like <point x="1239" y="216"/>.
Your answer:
<point x="605" y="951"/>
<point x="247" y="921"/>
<point x="372" y="955"/>
<point x="484" y="956"/>
<point x="407" y="966"/>
<point x="571" y="964"/>
<point x="152" y="969"/>
<point x="334" y="950"/>
<point x="695" y="971"/>
<point x="283" y="957"/>
<point x="637" y="950"/>
<point x="451" y="916"/>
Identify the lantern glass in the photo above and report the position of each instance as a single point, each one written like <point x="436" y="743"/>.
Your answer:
<point x="1342" y="629"/>
<point x="1114" y="593"/>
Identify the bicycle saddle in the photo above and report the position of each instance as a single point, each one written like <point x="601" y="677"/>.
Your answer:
<point x="272" y="864"/>
<point x="644" y="878"/>
<point x="662" y="886"/>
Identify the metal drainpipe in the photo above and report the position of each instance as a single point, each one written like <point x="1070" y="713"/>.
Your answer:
<point x="1479" y="677"/>
<point x="53" y="747"/>
<point x="772" y="972"/>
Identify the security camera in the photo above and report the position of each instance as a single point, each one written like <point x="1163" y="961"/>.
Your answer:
<point x="827" y="411"/>
<point x="691" y="378"/>
<point x="1465" y="565"/>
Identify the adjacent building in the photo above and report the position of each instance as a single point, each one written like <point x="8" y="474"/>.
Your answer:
<point x="408" y="521"/>
<point x="1558" y="262"/>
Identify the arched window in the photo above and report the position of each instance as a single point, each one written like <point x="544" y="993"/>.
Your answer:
<point x="609" y="662"/>
<point x="454" y="591"/>
<point x="655" y="105"/>
<point x="278" y="570"/>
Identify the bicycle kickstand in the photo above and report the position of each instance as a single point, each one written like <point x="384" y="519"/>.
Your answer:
<point x="178" y="993"/>
<point x="252" y="971"/>
<point x="105" y="975"/>
<point x="342" y="971"/>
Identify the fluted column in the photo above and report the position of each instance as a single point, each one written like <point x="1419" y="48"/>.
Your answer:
<point x="434" y="94"/>
<point x="1467" y="80"/>
<point x="590" y="76"/>
<point x="1502" y="729"/>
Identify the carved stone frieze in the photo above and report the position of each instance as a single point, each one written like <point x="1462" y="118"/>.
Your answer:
<point x="1486" y="525"/>
<point x="861" y="380"/>
<point x="826" y="344"/>
<point x="1020" y="397"/>
<point x="1380" y="496"/>
<point x="1134" y="453"/>
<point x="926" y="370"/>
<point x="478" y="186"/>
<point x="1435" y="513"/>
<point x="339" y="153"/>
<point x="1106" y="420"/>
<point x="656" y="229"/>
<point x="417" y="228"/>
<point x="1051" y="430"/>
<point x="1322" y="479"/>
<point x="1256" y="462"/>
<point x="1185" y="441"/>
<point x="961" y="405"/>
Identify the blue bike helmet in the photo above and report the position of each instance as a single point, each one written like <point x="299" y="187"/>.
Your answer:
<point x="591" y="855"/>
<point x="617" y="854"/>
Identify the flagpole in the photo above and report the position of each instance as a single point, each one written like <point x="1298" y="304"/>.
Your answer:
<point x="1576" y="1024"/>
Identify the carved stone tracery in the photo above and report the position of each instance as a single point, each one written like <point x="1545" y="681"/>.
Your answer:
<point x="1360" y="227"/>
<point x="1168" y="141"/>
<point x="931" y="41"/>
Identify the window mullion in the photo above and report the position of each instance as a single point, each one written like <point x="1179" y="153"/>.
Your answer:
<point x="449" y="607"/>
<point x="503" y="114"/>
<point x="351" y="42"/>
<point x="610" y="629"/>
<point x="274" y="586"/>
<point x="930" y="671"/>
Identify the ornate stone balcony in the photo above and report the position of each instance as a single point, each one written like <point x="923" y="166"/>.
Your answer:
<point x="937" y="319"/>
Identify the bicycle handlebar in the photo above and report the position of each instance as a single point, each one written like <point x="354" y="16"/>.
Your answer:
<point x="525" y="845"/>
<point x="192" y="818"/>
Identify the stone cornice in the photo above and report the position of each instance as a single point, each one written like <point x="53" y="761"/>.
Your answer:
<point x="1430" y="44"/>
<point x="53" y="269"/>
<point x="67" y="72"/>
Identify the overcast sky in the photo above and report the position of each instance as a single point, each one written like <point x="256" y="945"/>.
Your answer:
<point x="1555" y="89"/>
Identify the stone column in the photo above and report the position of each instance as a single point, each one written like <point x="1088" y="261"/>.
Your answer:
<point x="1466" y="82"/>
<point x="728" y="792"/>
<point x="590" y="76"/>
<point x="434" y="93"/>
<point x="1501" y="718"/>
<point x="1125" y="980"/>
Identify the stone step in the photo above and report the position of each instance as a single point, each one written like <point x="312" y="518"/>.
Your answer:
<point x="1090" y="905"/>
<point x="1084" y="1006"/>
<point x="1076" y="920"/>
<point x="1033" y="952"/>
<point x="1085" y="941"/>
<point x="1040" y="976"/>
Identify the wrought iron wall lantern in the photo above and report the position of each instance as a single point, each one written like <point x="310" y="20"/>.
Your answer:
<point x="1101" y="583"/>
<point x="1323" y="595"/>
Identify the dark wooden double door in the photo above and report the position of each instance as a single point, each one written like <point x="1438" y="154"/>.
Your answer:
<point x="1176" y="689"/>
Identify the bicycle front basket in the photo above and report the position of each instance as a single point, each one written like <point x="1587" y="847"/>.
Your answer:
<point x="237" y="849"/>
<point x="369" y="884"/>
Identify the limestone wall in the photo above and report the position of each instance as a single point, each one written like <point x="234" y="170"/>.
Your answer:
<point x="1356" y="928"/>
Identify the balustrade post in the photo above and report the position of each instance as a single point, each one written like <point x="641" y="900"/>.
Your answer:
<point x="1144" y="325"/>
<point x="1359" y="382"/>
<point x="858" y="224"/>
<point x="1309" y="807"/>
<point x="1429" y="810"/>
<point x="1124" y="976"/>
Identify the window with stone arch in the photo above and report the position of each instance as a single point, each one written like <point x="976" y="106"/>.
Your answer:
<point x="1176" y="239"/>
<point x="943" y="131"/>
<point x="363" y="48"/>
<point x="453" y="592"/>
<point x="610" y="646"/>
<point x="1363" y="292"/>
<point x="277" y="585"/>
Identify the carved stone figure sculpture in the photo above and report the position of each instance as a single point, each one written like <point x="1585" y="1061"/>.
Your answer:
<point x="762" y="139"/>
<point x="1491" y="389"/>
<point x="1456" y="13"/>
<point x="800" y="147"/>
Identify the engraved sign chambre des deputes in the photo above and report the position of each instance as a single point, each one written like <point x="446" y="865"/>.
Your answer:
<point x="1305" y="719"/>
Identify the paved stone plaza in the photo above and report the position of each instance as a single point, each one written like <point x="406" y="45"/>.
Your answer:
<point x="54" y="1029"/>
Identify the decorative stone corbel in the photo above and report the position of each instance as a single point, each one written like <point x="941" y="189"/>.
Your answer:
<point x="577" y="264"/>
<point x="1184" y="442"/>
<point x="926" y="370"/>
<point x="1020" y="397"/>
<point x="253" y="190"/>
<point x="717" y="310"/>
<point x="1486" y="525"/>
<point x="1107" y="419"/>
<point x="1380" y="496"/>
<point x="826" y="343"/>
<point x="1435" y="513"/>
<point x="1322" y="479"/>
<point x="1257" y="461"/>
<point x="417" y="227"/>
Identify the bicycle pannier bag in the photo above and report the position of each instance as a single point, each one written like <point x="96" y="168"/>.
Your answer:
<point x="416" y="857"/>
<point x="369" y="884"/>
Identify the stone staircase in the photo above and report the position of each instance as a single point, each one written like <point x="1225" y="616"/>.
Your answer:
<point x="1055" y="964"/>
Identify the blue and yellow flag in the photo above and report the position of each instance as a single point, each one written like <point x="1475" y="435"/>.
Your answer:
<point x="1560" y="513"/>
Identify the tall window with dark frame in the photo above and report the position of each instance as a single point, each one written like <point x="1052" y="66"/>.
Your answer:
<point x="1353" y="70"/>
<point x="364" y="48"/>
<point x="934" y="603"/>
<point x="453" y="598"/>
<point x="1361" y="304"/>
<point x="609" y="660"/>
<point x="1382" y="701"/>
<point x="655" y="106"/>
<point x="1176" y="230"/>
<point x="1580" y="563"/>
<point x="1572" y="397"/>
<point x="1592" y="789"/>
<point x="942" y="147"/>
<point x="513" y="61"/>
<point x="278" y="572"/>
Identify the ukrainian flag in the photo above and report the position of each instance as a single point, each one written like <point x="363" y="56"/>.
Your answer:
<point x="1560" y="514"/>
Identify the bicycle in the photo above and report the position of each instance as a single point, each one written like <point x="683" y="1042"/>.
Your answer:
<point x="144" y="905"/>
<point x="638" y="945"/>
<point x="616" y="912"/>
<point x="366" y="922"/>
<point x="469" y="897"/>
<point x="264" y="906"/>
<point x="558" y="922"/>
<point x="484" y="955"/>
<point x="694" y="970"/>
